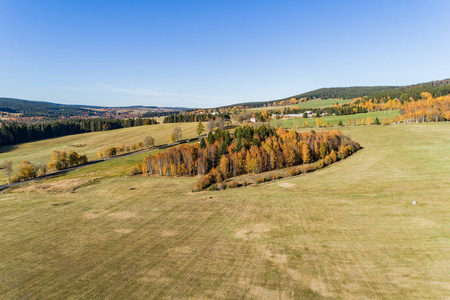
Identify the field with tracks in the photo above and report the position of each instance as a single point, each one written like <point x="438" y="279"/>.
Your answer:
<point x="39" y="152"/>
<point x="347" y="231"/>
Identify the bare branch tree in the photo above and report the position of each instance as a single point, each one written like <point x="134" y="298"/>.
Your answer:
<point x="8" y="166"/>
<point x="211" y="124"/>
<point x="178" y="133"/>
<point x="220" y="123"/>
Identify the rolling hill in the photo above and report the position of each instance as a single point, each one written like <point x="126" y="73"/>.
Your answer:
<point x="29" y="108"/>
<point x="437" y="88"/>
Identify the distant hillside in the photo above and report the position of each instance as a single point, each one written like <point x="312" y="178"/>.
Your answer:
<point x="29" y="108"/>
<point x="40" y="109"/>
<point x="436" y="88"/>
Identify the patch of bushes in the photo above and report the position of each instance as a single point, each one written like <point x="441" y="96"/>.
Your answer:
<point x="136" y="170"/>
<point x="232" y="185"/>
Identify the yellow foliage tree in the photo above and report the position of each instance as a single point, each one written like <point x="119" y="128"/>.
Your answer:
<point x="224" y="166"/>
<point x="173" y="137"/>
<point x="306" y="156"/>
<point x="144" y="168"/>
<point x="319" y="122"/>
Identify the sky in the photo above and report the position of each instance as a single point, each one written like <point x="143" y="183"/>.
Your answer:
<point x="213" y="53"/>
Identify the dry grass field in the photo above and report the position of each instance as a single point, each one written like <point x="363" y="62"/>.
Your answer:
<point x="39" y="152"/>
<point x="349" y="231"/>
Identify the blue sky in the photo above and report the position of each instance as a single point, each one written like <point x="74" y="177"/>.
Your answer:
<point x="211" y="53"/>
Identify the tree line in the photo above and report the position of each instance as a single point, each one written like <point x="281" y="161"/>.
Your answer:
<point x="148" y="143"/>
<point x="20" y="133"/>
<point x="436" y="88"/>
<point x="428" y="109"/>
<point x="40" y="108"/>
<point x="248" y="150"/>
<point x="193" y="117"/>
<point x="60" y="160"/>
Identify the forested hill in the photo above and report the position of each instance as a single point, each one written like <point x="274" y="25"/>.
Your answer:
<point x="39" y="108"/>
<point x="436" y="88"/>
<point x="29" y="108"/>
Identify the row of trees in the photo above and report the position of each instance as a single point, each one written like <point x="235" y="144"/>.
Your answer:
<point x="428" y="109"/>
<point x="435" y="88"/>
<point x="248" y="150"/>
<point x="20" y="133"/>
<point x="148" y="143"/>
<point x="60" y="160"/>
<point x="194" y="117"/>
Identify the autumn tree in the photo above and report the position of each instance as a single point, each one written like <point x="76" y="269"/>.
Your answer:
<point x="318" y="122"/>
<point x="100" y="153"/>
<point x="73" y="158"/>
<point x="172" y="138"/>
<point x="224" y="166"/>
<point x="144" y="169"/>
<point x="306" y="156"/>
<point x="8" y="166"/>
<point x="369" y="121"/>
<point x="59" y="160"/>
<point x="26" y="170"/>
<point x="41" y="170"/>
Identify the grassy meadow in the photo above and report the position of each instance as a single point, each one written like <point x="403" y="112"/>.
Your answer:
<point x="308" y="104"/>
<point x="39" y="152"/>
<point x="334" y="120"/>
<point x="348" y="231"/>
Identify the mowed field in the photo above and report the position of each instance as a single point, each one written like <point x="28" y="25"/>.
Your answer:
<point x="39" y="152"/>
<point x="349" y="231"/>
<point x="334" y="120"/>
<point x="308" y="104"/>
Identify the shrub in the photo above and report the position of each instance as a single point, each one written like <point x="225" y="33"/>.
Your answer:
<point x="260" y="180"/>
<point x="320" y="164"/>
<point x="232" y="185"/>
<point x="221" y="186"/>
<point x="204" y="182"/>
<point x="15" y="178"/>
<point x="136" y="170"/>
<point x="293" y="172"/>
